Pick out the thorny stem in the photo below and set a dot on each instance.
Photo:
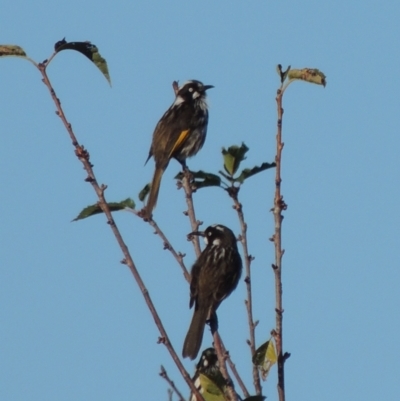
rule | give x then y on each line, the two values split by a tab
83	156
164	375
279	206
234	192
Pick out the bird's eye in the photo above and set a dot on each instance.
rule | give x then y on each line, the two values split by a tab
190	89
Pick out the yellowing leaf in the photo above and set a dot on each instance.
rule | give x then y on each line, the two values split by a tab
312	75
265	357
12	50
210	391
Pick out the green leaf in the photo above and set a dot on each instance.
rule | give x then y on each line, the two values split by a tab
87	49
144	192
202	179
248	172
210	391
228	177
114	207
265	357
309	75
233	156
12	50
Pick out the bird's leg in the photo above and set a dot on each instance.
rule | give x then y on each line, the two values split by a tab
188	175
213	322
182	162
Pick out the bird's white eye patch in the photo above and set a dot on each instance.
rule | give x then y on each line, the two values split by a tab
205	363
190	89
217	241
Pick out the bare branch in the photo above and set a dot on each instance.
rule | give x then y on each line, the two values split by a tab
221	353
84	157
232	366
234	194
194	223
163	373
279	206
167	245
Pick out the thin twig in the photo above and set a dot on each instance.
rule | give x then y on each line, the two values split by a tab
165	376
279	206
167	244
234	194
221	353
232	366
84	157
194	223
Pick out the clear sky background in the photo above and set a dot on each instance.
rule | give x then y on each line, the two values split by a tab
74	325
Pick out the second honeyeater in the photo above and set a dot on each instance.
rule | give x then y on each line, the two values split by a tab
208	378
179	134
208	366
215	274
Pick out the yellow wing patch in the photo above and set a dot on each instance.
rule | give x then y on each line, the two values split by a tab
182	137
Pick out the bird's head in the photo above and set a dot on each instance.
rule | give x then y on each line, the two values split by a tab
207	361
192	90
217	234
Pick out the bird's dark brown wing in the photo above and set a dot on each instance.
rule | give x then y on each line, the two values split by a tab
231	273
214	276
171	133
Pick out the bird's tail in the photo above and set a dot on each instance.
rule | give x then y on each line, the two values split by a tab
194	336
155	187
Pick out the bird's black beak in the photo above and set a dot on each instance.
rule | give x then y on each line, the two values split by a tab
199	233
208	87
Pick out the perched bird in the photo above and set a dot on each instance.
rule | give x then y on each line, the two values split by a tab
208	366
215	275
208	378
179	134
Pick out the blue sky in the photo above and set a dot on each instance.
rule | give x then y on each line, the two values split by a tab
74	324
